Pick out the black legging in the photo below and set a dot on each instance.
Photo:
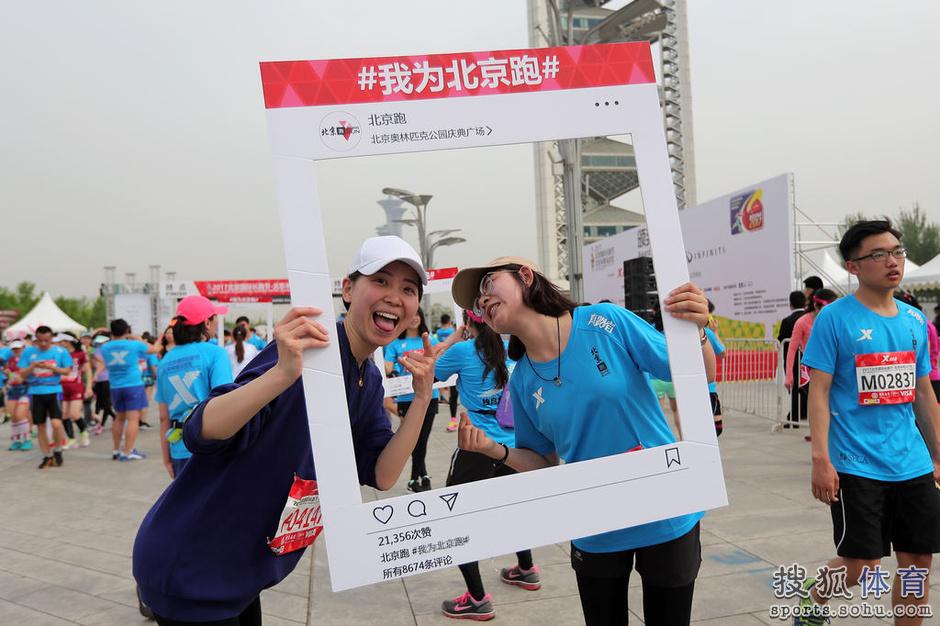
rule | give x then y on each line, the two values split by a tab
102	389
604	602
452	401
418	466
251	616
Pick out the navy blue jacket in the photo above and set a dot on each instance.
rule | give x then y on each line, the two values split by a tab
201	552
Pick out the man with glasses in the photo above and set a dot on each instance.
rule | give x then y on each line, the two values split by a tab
870	367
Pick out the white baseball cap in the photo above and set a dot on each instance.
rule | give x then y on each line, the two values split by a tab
17	343
377	252
62	337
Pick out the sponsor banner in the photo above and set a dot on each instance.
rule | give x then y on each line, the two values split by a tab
739	249
388	79
276	290
136	309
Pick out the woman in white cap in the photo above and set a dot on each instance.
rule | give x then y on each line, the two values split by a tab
579	392
251	449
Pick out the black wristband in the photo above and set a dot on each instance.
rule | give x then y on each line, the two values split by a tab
502	461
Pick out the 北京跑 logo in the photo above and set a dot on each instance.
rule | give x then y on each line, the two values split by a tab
747	212
340	131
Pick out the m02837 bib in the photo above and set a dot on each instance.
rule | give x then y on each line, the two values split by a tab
886	377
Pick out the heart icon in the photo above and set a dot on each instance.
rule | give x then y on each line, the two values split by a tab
383	513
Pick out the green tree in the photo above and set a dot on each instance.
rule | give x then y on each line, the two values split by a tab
849	220
920	237
87	312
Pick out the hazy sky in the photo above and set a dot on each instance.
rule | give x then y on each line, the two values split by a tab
134	134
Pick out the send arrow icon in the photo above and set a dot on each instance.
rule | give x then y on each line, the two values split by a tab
672	457
449	499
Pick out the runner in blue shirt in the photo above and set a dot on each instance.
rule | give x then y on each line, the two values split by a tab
579	392
202	552
869	365
483	370
186	375
253	337
122	356
408	342
42	365
449	394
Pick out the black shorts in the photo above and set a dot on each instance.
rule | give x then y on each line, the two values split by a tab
936	388
469	467
43	406
673	563
872	515
716	403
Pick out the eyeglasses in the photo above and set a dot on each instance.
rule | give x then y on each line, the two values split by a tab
486	289
882	255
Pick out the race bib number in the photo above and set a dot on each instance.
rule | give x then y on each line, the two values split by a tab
301	522
885	377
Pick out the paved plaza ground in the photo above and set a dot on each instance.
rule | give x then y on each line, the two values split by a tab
67	535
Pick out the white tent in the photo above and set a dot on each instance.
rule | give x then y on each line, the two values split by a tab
927	276
45	313
834	274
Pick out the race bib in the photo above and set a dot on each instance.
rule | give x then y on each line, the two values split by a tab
885	377
301	522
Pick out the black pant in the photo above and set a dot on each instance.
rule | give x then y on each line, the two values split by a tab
102	390
418	466
469	467
251	616
453	401
668	571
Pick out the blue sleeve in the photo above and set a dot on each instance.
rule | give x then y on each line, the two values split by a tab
713	339
162	384
450	362
251	431
923	353
527	435
371	434
65	359
390	353
24	359
645	344
220	369
822	349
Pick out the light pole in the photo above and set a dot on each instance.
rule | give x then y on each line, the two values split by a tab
428	242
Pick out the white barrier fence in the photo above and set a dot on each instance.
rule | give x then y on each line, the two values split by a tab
751	376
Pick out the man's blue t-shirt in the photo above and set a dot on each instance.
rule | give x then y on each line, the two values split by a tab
122	357
879	441
604	406
257	342
6	354
401	347
444	333
43	381
185	377
479	394
719	349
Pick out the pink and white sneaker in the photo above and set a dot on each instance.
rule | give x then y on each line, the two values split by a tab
465	607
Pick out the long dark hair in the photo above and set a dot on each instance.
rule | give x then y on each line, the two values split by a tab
184	333
490	349
542	296
239	334
422	326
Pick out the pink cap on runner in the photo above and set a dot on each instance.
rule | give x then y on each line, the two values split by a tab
197	309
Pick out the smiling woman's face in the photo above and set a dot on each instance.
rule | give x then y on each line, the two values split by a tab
383	304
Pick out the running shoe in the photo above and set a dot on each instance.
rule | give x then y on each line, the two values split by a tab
414	485
526	578
810	612
98	430
71	444
115	455
133	455
47	463
26	445
83	439
465	607
15	445
57	457
145	426
425	483
452	425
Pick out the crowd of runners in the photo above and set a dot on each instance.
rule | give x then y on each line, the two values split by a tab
542	380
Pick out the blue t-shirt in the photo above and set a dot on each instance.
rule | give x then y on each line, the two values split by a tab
257	342
41	380
604	406
478	394
6	353
719	349
444	333
122	357
201	552
185	377
881	442
400	347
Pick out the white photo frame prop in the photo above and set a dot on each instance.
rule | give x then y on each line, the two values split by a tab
321	110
